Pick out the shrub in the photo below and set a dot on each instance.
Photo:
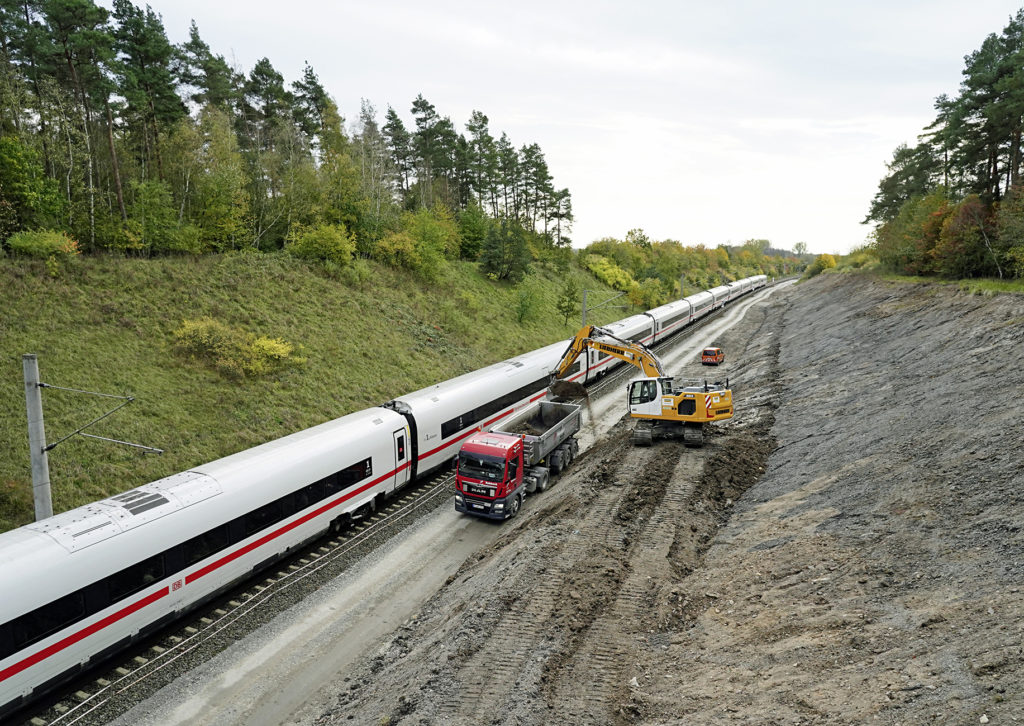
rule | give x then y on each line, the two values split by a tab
234	352
824	262
400	249
608	272
329	243
525	301
43	244
435	230
860	258
152	226
355	274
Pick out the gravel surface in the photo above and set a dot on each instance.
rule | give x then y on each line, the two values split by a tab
847	549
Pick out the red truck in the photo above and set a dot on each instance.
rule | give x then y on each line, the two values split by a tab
496	469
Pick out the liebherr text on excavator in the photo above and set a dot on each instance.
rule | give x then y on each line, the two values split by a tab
662	406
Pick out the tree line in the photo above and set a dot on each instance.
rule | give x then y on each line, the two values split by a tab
652	272
953	204
124	141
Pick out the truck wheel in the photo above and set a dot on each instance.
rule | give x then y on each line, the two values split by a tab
556	462
513	507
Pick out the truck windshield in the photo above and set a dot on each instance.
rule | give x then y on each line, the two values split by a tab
481	466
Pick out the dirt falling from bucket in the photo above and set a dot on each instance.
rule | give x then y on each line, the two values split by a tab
569	389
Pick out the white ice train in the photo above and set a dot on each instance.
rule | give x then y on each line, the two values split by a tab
78	587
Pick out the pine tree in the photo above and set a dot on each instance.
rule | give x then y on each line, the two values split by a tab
568	303
505	255
399	143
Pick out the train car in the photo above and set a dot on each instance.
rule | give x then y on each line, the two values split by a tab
441	416
81	585
759	281
671	318
739	288
701	303
636	328
720	296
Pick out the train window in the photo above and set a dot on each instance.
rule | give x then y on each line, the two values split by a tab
355	473
236	529
288	505
476	415
330	485
6	645
310	495
453	426
401	448
50	618
132	579
202	546
263	517
676	317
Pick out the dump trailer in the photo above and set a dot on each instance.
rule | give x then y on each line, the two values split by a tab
496	469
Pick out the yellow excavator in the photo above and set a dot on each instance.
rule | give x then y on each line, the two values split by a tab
662	406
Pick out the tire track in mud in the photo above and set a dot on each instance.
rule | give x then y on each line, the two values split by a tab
599	658
691	506
488	680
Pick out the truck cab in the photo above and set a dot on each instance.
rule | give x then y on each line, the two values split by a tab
489	475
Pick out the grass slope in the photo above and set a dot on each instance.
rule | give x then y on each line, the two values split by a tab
107	324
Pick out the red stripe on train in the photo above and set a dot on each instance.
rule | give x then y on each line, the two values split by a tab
81	634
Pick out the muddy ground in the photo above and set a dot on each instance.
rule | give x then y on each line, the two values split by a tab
846	550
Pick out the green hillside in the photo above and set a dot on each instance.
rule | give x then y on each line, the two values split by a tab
107	324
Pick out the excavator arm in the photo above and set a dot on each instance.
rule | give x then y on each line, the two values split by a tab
636	354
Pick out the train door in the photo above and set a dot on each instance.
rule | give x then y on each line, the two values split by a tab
401	457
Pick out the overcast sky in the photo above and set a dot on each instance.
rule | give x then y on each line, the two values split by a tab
704	122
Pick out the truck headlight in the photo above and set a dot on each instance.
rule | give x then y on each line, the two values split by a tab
458	498
498	507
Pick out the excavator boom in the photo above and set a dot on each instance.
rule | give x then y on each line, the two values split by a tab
634	353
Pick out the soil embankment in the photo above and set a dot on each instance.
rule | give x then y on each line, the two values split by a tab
848	549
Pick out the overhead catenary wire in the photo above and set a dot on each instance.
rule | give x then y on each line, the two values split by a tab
78	432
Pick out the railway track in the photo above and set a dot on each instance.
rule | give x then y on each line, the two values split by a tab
142	670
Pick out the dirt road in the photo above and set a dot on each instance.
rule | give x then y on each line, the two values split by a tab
847	550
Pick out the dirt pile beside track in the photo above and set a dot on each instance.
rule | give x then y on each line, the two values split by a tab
847	549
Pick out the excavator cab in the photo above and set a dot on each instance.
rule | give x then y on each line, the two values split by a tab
645	395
